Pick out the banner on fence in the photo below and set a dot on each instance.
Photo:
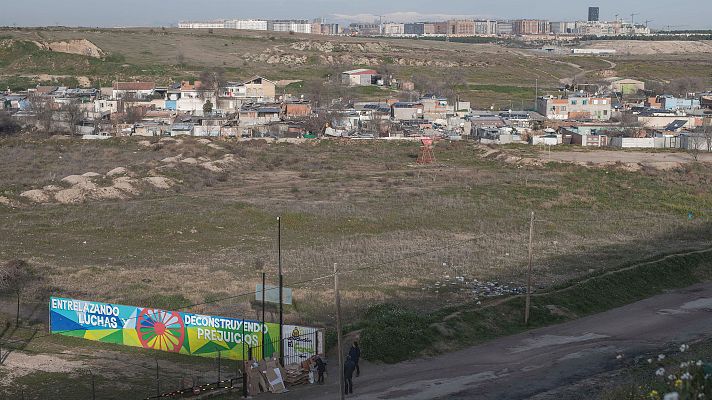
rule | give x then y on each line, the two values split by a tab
170	331
300	343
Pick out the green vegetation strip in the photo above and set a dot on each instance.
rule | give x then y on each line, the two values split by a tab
391	333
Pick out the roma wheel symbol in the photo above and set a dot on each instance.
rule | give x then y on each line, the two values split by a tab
160	330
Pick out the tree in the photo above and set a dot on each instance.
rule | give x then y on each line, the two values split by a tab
44	113
318	122
74	115
695	144
207	107
7	125
15	277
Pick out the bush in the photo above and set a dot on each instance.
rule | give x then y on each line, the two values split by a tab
7	125
392	334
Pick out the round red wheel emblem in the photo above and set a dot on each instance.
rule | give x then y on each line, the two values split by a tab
160	330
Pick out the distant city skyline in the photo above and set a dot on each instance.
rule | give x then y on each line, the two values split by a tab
684	14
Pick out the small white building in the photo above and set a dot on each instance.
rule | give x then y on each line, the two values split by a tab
360	77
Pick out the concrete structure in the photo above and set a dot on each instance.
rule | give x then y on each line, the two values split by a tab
255	89
405	111
579	107
627	86
676	103
594	14
135	90
360	77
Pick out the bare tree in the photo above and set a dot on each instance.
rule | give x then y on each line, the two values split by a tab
319	121
15	277
695	144
74	116
44	112
707	134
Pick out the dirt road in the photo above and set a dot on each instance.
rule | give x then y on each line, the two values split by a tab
540	362
632	159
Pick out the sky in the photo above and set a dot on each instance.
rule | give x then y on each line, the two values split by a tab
684	14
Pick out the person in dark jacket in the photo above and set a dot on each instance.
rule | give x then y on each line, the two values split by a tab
320	369
349	367
355	354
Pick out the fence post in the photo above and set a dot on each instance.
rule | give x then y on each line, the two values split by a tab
219	365
244	379
93	386
158	381
316	341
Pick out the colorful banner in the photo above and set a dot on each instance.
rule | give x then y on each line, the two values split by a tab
171	331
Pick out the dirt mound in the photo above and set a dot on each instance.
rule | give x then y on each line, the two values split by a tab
9	202
216	146
174	159
75	179
145	143
203	141
71	196
117	171
108	193
189	160
159	182
212	166
52	188
36	195
79	46
90	174
126	184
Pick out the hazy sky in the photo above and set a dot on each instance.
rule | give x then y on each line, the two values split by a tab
690	13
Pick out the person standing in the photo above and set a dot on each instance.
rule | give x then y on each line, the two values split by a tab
355	354
349	367
320	369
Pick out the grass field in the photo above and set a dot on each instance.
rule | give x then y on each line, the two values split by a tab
400	232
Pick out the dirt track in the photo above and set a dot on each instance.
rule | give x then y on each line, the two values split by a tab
543	361
603	157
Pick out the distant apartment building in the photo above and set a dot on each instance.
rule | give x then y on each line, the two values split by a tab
365	29
562	28
485	27
296	26
326	29
461	27
435	28
594	14
219	24
417	29
393	29
505	28
246	24
575	107
530	27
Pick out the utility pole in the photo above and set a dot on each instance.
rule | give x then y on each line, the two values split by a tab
281	281
529	272
340	370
